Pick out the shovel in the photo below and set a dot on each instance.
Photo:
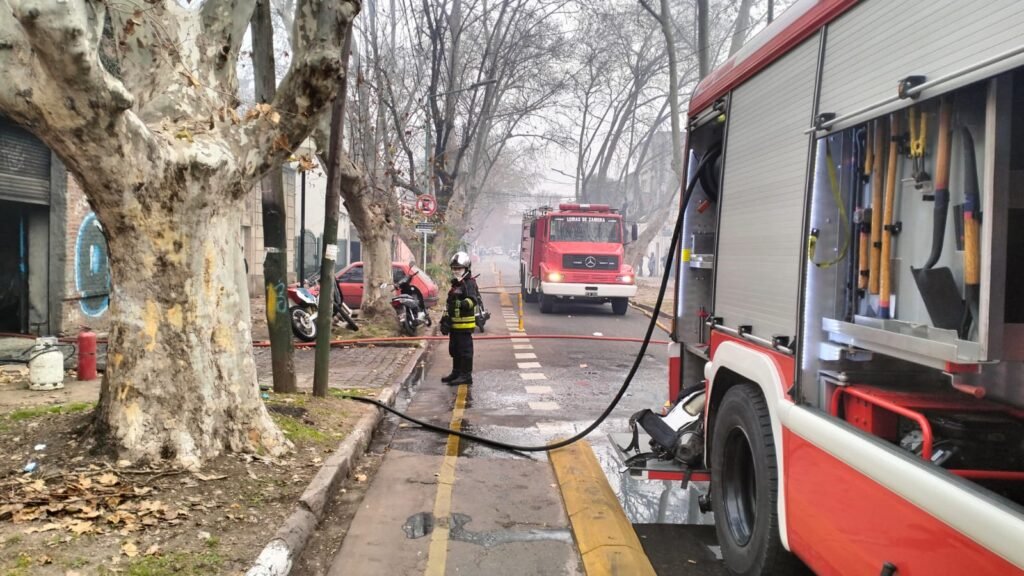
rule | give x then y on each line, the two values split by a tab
937	286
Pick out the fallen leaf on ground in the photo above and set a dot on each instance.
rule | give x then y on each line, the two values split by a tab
130	549
203	535
107	479
44	560
43	528
360	477
82	527
210	478
153	550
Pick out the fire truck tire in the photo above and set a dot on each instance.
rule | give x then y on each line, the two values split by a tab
620	305
547	304
744	486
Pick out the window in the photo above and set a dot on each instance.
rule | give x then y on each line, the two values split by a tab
585	229
397	273
354	275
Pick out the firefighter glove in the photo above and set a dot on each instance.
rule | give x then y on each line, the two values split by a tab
446	325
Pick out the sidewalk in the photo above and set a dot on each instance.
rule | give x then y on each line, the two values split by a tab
647	294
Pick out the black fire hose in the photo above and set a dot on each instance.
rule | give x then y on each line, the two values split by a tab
676	233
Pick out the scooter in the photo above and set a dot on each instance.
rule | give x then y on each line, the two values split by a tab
408	304
304	307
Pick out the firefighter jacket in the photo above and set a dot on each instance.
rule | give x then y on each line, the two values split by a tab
461	305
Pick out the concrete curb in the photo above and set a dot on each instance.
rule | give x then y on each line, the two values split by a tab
279	556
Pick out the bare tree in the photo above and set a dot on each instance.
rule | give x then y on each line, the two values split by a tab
138	99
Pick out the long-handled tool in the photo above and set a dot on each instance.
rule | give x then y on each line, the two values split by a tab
937	286
864	225
874	264
972	239
885	274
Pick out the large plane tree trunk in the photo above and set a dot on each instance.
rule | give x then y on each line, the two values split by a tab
180	381
166	163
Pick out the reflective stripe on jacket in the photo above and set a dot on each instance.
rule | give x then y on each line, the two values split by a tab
460	320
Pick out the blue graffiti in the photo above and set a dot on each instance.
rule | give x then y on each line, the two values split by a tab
282	297
92	267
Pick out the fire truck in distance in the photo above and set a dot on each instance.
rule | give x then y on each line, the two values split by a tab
575	253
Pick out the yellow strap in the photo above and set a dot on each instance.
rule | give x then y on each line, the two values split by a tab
812	240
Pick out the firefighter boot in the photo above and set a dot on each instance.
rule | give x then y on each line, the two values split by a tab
455	371
465	373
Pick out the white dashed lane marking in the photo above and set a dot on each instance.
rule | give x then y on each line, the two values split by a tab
532	376
538	389
522	346
525	356
548	406
529	365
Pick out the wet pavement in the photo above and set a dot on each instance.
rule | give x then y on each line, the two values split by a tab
442	507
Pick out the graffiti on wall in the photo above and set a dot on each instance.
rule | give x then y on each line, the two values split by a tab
92	268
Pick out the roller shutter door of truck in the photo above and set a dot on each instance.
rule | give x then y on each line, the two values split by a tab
24	166
877	43
758	276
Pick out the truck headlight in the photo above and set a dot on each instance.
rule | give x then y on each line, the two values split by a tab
627	279
554	276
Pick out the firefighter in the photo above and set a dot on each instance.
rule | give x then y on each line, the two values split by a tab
459	320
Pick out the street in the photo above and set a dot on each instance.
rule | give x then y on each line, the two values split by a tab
441	506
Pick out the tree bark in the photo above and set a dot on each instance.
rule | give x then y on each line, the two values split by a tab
275	227
180	381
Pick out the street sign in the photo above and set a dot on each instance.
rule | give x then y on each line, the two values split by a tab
426	204
424	228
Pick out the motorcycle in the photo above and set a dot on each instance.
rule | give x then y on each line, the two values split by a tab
408	304
304	307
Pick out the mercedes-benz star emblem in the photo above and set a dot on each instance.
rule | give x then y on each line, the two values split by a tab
590	262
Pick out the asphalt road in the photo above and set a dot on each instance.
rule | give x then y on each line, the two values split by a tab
438	508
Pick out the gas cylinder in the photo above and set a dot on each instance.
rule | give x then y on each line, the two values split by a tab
87	355
46	368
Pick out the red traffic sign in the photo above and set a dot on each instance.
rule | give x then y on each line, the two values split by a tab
426	204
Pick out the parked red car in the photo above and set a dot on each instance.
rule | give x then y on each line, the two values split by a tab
351	279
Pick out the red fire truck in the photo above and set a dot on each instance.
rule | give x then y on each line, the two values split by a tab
851	290
575	253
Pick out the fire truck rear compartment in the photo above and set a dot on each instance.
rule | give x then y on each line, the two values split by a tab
952	393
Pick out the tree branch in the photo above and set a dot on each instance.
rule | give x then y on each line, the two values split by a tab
309	87
224	24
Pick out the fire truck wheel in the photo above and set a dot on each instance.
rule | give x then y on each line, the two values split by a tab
620	305
744	486
547	304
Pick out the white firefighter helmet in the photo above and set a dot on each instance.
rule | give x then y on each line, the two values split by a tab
460	260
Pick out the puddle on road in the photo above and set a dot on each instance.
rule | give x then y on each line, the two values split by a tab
421	524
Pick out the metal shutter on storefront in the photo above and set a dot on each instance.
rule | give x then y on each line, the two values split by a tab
24	166
758	277
876	44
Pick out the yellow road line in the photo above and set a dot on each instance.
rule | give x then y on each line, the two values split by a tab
604	536
437	556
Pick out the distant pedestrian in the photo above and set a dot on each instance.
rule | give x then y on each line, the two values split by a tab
652	261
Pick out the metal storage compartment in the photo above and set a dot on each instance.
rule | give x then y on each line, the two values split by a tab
757	280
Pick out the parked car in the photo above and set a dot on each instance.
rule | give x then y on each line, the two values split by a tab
351	280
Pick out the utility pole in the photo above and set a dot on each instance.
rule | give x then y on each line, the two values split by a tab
329	252
275	231
302	230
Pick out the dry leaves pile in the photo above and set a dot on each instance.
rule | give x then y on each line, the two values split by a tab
91	501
